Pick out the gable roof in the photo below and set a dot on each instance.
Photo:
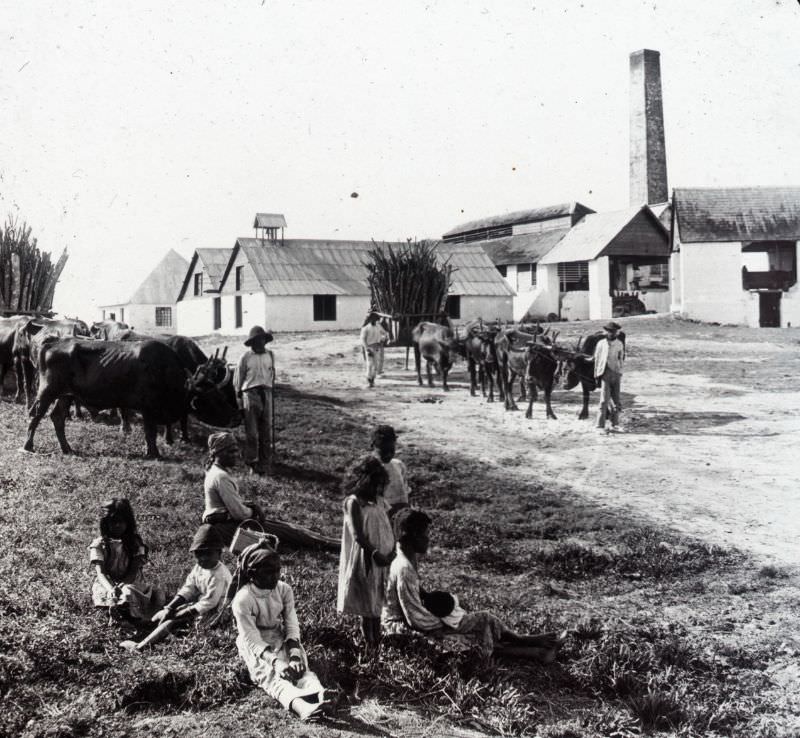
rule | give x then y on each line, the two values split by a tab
631	232
214	263
534	215
526	248
269	220
164	283
313	267
737	213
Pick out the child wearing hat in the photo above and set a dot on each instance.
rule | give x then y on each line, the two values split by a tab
253	381
373	338
201	594
609	357
269	634
396	491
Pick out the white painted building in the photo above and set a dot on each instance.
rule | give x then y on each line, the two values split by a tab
152	307
735	253
315	284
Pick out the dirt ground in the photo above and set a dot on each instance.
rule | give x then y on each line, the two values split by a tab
710	425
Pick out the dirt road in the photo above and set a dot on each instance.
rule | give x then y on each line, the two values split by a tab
711	444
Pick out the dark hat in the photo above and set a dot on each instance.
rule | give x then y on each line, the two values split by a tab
255	332
383	433
208	537
612	326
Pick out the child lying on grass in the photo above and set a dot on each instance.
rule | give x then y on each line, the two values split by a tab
405	608
201	594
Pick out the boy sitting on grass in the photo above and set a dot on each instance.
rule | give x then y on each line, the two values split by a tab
201	594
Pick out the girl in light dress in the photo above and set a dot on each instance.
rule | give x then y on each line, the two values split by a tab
118	556
367	549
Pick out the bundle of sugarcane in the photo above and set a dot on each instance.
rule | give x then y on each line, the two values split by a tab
408	280
27	275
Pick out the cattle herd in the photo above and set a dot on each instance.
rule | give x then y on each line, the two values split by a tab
110	367
497	355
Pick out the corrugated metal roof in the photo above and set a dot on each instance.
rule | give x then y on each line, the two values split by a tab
586	240
737	213
309	267
527	248
521	216
215	262
164	283
269	220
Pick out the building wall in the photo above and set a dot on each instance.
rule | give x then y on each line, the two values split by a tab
575	305
486	307
296	313
658	300
711	283
142	318
600	303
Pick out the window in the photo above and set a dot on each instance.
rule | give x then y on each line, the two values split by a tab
453	306
122	314
163	317
324	307
573	276
533	275
198	284
503	269
239	277
237	304
524	278
217	313
112	316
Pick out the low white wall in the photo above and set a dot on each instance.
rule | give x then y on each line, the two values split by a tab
488	308
575	305
195	316
253	313
658	300
600	304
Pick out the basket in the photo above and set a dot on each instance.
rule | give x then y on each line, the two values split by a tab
244	537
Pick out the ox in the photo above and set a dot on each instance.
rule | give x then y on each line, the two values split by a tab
28	339
191	357
145	376
511	346
8	329
578	368
435	343
107	330
478	348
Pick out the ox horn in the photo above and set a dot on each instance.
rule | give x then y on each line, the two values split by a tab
578	345
216	353
224	351
225	379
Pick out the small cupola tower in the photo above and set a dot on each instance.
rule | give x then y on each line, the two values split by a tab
267	224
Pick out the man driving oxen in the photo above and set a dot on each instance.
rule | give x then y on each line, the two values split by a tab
609	356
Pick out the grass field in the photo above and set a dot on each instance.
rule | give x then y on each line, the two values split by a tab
671	634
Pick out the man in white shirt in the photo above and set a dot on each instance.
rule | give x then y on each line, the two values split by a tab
609	356
373	338
254	381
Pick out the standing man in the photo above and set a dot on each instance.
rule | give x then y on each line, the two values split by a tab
373	337
254	381
609	356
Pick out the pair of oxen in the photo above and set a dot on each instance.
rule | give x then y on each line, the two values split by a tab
498	355
109	366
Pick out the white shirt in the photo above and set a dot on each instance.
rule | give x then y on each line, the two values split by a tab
205	588
371	334
265	618
608	355
254	370
396	489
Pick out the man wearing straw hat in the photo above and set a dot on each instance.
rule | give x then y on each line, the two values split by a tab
373	339
609	356
254	381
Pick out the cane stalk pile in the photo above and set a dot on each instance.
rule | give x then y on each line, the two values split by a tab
410	280
27	275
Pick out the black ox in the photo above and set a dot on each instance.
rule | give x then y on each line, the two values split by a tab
145	376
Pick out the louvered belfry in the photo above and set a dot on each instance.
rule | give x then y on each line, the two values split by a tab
27	275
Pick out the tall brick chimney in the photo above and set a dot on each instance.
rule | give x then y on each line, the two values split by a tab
648	162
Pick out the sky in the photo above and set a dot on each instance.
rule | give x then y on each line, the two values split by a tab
127	129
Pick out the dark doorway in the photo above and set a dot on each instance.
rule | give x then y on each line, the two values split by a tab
769	309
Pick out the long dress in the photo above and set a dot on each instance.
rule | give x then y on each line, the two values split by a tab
362	584
266	619
138	594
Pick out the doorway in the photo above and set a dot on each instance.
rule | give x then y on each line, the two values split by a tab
769	309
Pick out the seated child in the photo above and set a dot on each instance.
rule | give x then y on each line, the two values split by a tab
395	494
269	635
200	596
406	608
118	556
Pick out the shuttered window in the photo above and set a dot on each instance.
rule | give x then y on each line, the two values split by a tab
573	276
198	284
237	304
217	313
453	306
239	277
